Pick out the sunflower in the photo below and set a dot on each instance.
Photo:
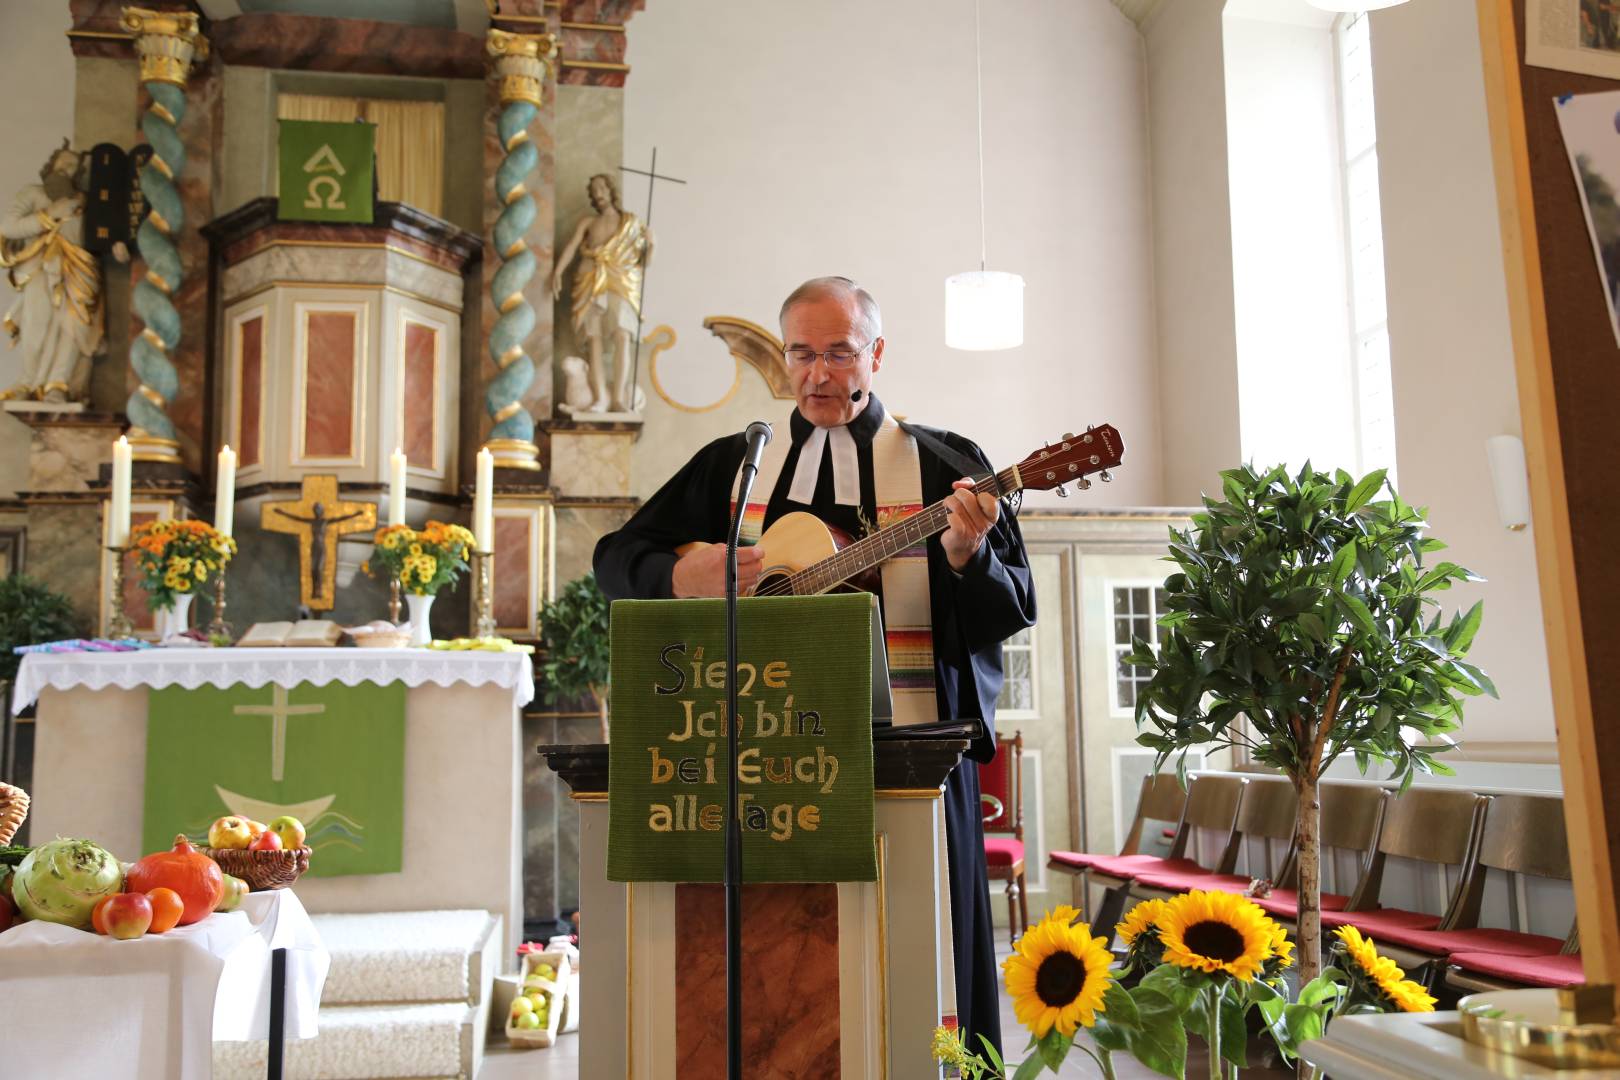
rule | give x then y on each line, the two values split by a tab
1058	974
1382	973
1216	932
1282	953
1140	920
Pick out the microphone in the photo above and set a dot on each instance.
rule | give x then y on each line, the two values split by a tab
758	434
857	395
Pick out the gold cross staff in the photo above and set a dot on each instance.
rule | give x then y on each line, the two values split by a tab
278	710
318	518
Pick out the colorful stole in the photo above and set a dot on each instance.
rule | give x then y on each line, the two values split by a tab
907	614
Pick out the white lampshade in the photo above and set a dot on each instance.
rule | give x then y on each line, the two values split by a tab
1511	479
984	310
1353	5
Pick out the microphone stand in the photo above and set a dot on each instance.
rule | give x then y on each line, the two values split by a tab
734	866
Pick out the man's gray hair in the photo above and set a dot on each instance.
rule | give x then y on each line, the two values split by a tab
843	288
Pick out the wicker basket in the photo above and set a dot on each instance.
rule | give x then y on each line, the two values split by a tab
13	810
262	870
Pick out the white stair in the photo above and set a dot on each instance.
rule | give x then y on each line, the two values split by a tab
408	996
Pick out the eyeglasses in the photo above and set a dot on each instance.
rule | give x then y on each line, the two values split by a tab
836	358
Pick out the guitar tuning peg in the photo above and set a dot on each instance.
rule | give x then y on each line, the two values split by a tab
1067	435
1061	493
1083	484
1090	428
1106	477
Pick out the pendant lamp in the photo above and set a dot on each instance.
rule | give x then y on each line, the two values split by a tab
984	309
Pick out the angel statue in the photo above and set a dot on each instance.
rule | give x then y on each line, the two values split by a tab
614	247
57	320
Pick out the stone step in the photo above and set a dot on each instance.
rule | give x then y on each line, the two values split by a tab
404	957
372	1042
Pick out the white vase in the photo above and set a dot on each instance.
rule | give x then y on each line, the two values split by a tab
420	606
176	619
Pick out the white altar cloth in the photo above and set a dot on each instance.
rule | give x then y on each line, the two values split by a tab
79	1004
191	668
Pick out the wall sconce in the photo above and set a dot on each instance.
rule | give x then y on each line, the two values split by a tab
1511	478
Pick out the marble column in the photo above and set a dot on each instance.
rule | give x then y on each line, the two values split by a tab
166	42
522	61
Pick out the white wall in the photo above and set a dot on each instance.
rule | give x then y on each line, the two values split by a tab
38	73
838	138
1451	356
1192	247
1295	396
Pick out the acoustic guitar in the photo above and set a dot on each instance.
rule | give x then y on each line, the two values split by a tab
806	557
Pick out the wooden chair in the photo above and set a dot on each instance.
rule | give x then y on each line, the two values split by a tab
1349	821
1001	795
1471	972
1267	814
1161	799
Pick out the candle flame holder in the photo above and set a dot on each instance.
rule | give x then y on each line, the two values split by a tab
217	626
118	624
393	599
483	592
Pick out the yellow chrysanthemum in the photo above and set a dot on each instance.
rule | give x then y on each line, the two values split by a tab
1403	993
416	549
391	541
1140	919
1215	932
1057	975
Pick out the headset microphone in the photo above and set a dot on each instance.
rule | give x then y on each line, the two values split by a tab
857	395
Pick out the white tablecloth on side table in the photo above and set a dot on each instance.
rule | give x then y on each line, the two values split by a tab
79	1004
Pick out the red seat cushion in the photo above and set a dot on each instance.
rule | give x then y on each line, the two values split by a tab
1232	883
1446	942
1072	860
1003	851
1285	902
1127	867
1380	921
1554	970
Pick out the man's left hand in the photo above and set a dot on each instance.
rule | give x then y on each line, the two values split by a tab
969	518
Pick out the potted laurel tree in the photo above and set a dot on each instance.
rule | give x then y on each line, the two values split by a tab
31	612
574	632
1303	625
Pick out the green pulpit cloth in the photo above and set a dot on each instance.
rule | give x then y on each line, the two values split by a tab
805	759
325	171
332	756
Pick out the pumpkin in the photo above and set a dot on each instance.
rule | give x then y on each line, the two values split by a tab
187	871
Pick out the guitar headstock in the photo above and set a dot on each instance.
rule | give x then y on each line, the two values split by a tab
1074	457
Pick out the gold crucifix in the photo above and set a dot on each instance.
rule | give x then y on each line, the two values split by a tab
317	518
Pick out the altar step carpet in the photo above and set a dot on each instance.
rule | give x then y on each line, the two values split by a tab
407	997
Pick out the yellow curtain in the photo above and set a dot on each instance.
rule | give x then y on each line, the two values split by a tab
410	142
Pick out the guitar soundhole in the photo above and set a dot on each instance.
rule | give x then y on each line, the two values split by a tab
774	585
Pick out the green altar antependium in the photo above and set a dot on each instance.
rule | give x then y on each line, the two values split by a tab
805	763
332	756
324	171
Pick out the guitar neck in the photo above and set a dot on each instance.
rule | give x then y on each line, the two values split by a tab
877	548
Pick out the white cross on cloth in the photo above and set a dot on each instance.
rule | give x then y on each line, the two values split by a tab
278	710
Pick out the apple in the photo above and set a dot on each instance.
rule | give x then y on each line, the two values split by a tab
230	897
544	970
266	841
230	832
528	1021
255	828
128	915
521	1005
98	915
291	831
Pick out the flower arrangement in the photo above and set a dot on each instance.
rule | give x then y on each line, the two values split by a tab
175	558
424	561
1373	982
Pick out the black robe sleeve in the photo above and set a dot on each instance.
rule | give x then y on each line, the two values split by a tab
638	561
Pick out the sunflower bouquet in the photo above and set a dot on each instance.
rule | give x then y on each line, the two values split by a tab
175	558
425	560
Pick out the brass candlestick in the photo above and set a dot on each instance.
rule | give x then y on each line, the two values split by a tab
393	599
217	626
484	594
118	624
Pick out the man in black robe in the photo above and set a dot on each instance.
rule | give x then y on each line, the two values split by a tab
979	582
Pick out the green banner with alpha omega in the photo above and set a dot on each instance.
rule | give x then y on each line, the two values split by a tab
331	756
325	171
804	768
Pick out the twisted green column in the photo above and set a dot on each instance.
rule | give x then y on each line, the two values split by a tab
166	42
520	60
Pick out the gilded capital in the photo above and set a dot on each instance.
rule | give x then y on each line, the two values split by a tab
521	60
166	42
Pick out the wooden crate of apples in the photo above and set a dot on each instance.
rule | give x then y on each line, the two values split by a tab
536	1014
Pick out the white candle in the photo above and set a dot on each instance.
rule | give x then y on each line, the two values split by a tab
483	502
396	487
118	513
225	491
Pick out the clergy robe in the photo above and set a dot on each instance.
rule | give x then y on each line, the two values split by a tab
973	613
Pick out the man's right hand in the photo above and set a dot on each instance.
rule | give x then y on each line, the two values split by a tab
702	571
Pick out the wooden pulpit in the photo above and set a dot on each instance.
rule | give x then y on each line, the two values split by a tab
840	980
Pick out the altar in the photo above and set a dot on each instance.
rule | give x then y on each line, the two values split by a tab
462	785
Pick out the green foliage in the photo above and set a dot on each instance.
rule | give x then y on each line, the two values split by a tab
574	631
31	612
1303	603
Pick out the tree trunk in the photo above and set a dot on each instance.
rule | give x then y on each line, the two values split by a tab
601	709
1310	879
